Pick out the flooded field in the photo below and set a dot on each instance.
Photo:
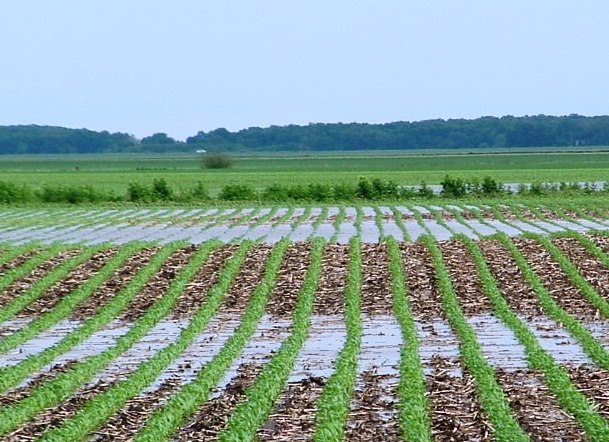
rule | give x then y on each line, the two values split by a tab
358	324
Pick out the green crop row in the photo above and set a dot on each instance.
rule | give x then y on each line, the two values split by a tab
100	408
47	281
415	424
11	376
10	253
333	405
397	216
65	306
165	421
65	384
492	398
340	218
556	376
261	397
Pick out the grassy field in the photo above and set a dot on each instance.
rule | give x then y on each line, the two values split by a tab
114	172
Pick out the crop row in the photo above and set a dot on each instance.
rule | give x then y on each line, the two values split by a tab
416	416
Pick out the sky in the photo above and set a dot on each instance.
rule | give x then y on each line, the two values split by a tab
179	67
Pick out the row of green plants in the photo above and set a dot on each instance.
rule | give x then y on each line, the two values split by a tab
492	398
556	377
334	403
413	406
101	407
13	375
166	420
66	305
262	396
55	275
365	189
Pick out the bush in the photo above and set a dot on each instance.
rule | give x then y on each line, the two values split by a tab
364	189
216	161
237	192
138	192
11	193
453	187
199	192
161	190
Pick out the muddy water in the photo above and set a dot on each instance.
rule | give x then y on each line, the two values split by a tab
380	347
498	343
436	337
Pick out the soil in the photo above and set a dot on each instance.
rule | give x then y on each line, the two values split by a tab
376	291
117	282
555	280
329	299
464	277
195	293
211	418
592	382
536	409
20	286
290	279
373	417
456	414
155	287
423	295
71	282
16	262
294	416
250	274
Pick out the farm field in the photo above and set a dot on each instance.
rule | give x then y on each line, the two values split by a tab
417	322
114	172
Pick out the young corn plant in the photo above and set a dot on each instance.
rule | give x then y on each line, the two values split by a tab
414	421
557	378
101	407
397	217
261	397
492	398
65	306
165	421
13	375
333	405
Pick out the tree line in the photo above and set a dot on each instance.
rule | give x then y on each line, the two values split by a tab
528	131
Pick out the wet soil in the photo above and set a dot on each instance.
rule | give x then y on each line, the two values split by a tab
124	425
19	260
376	292
593	383
155	288
71	282
423	295
117	282
587	265
290	279
601	241
555	280
294	416
510	280
211	418
249	276
329	299
456	413
195	293
464	277
25	283
373	416
536	409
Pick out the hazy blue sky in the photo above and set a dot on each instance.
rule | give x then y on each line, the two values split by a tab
144	66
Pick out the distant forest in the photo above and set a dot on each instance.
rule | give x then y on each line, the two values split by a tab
528	131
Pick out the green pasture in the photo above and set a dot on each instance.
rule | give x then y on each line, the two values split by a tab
114	172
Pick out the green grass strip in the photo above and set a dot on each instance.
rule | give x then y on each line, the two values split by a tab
556	376
359	218
306	213
165	421
340	218
13	375
492	399
590	345
27	267
399	220
101	407
65	384
9	252
261	397
42	285
319	221
414	420
333	405
65	306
